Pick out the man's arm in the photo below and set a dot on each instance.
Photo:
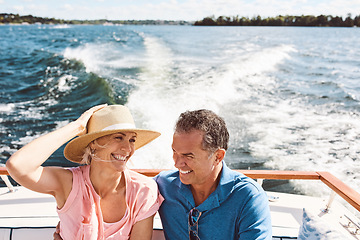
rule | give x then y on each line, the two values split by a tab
255	223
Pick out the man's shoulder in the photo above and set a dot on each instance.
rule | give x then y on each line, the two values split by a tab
242	191
241	182
168	176
167	179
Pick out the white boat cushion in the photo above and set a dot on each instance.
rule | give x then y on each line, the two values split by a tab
315	228
32	233
5	234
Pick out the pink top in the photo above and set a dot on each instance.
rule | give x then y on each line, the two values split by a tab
81	216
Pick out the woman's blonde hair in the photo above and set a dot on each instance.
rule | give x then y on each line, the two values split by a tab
89	153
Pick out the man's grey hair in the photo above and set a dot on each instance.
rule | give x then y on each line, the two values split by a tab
213	126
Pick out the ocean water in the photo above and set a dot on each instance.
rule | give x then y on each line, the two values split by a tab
290	96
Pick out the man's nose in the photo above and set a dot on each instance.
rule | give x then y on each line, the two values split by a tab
178	160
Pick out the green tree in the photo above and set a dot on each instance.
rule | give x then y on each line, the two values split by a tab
336	21
348	21
357	21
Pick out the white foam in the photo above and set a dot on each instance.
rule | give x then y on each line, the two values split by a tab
170	85
6	108
102	58
86	54
27	109
65	82
293	136
146	104
289	134
61	26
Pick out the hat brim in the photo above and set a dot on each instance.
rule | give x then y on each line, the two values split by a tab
75	149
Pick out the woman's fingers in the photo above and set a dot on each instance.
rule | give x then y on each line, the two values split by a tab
84	118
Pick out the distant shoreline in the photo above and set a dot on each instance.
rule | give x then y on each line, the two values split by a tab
299	21
9	18
286	21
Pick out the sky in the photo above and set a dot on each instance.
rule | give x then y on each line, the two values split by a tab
188	10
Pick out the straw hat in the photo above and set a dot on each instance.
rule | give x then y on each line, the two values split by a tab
108	120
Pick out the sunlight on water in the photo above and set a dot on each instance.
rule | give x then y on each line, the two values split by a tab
287	134
290	100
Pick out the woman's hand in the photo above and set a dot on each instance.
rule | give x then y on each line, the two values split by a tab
84	118
56	234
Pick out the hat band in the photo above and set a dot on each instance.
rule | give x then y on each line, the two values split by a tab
119	126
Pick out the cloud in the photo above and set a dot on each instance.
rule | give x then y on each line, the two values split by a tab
19	8
68	7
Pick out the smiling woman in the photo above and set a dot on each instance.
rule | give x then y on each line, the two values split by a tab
107	139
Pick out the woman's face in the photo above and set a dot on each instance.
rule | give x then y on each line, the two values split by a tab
115	148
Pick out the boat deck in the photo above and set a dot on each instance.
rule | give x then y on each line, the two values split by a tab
24	213
287	215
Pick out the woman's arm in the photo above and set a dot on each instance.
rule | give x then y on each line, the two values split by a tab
25	164
143	229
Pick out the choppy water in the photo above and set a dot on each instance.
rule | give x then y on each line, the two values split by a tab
290	96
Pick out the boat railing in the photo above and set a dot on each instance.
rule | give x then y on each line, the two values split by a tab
4	176
336	185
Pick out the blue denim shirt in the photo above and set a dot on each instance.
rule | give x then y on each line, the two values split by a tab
237	209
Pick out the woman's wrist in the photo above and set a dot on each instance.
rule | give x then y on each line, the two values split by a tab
76	128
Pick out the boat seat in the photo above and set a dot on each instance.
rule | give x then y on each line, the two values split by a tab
26	233
5	233
47	233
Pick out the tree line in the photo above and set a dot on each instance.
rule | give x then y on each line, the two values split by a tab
9	18
303	20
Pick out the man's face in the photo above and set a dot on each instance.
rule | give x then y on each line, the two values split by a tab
195	165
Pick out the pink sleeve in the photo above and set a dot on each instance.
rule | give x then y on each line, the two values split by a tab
148	201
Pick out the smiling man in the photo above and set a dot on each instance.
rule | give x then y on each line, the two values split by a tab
204	199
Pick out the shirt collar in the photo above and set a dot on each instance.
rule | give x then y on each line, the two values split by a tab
221	193
226	184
